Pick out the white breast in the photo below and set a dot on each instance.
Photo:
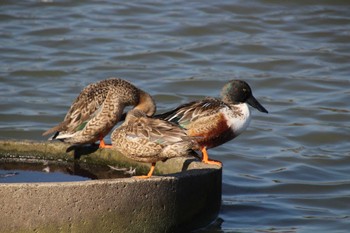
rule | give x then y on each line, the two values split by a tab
238	119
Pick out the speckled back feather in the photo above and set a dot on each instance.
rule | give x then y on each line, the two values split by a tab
97	109
147	139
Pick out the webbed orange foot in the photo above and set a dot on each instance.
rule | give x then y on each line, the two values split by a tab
104	145
149	173
205	158
142	177
213	162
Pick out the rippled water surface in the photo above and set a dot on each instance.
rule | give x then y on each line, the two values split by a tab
289	172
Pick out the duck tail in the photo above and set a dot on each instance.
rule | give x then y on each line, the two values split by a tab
51	131
53	137
55	130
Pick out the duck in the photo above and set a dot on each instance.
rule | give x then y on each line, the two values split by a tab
149	140
215	121
97	109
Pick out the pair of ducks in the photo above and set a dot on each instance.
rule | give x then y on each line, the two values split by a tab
197	125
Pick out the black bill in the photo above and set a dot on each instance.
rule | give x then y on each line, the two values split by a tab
255	104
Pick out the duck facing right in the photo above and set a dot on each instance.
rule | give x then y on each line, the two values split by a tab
212	121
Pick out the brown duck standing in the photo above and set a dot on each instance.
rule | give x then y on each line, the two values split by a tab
97	109
150	140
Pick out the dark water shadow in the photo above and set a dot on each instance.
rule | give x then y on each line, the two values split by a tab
80	150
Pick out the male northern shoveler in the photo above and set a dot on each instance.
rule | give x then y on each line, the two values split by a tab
215	121
150	140
97	109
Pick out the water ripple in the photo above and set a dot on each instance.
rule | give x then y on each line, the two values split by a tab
287	173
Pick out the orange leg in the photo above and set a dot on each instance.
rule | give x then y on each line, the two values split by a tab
205	158
149	173
103	144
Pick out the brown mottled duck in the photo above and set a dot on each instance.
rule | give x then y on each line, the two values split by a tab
150	140
97	109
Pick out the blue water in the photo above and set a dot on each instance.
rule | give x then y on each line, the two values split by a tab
289	172
20	176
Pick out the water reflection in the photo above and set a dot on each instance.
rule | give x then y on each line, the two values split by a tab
27	172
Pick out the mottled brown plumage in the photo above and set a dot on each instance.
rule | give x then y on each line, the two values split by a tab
150	140
98	108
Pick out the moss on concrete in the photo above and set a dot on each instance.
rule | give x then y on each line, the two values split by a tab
188	198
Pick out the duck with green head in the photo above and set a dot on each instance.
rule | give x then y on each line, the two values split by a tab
215	121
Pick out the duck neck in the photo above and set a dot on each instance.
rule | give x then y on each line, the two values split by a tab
146	104
226	98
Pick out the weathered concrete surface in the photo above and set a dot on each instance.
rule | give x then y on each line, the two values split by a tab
188	197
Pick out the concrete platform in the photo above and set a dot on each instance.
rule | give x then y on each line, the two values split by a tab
184	195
